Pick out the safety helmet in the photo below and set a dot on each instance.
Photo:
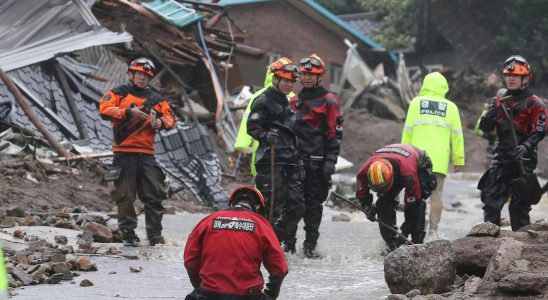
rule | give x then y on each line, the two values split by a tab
144	65
516	65
381	175
312	64
285	68
246	192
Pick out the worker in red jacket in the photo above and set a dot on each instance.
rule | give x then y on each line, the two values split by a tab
388	171
224	252
318	127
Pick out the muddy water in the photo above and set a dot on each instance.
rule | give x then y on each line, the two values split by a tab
351	267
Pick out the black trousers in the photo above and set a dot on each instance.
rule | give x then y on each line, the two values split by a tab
414	214
201	294
316	187
496	187
288	193
140	175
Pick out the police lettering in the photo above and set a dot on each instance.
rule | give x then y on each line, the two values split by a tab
429	107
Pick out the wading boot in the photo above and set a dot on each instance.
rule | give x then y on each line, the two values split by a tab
310	252
289	248
153	241
130	239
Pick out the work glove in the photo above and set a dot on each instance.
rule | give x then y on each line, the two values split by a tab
368	208
370	212
265	297
272	137
328	168
520	151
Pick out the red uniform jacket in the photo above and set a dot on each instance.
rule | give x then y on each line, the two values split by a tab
226	250
132	135
406	158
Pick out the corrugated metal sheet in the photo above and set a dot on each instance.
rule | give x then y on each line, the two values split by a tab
34	31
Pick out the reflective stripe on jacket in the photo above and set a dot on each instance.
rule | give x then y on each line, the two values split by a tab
133	135
433	124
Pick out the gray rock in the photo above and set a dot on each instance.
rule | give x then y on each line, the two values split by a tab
396	297
55	278
341	218
471	285
428	267
509	250
61	239
16	211
20	274
86	283
485	229
474	253
413	293
36	245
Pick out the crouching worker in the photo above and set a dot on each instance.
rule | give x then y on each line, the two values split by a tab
388	171
224	252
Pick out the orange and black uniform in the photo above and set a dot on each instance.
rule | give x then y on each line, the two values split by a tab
412	171
133	148
318	127
529	118
224	253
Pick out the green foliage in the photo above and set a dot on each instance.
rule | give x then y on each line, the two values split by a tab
399	19
524	32
341	7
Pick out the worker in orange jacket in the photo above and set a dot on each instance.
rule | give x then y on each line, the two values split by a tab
137	113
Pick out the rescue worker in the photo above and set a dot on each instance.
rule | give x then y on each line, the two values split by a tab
433	125
529	118
271	122
3	278
319	131
225	250
137	113
389	170
243	140
491	137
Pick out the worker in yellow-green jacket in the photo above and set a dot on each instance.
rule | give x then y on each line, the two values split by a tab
3	278
433	125
243	140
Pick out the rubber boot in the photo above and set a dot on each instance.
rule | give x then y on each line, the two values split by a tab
130	239
310	252
289	247
153	241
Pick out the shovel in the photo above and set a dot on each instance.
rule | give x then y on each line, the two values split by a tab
526	183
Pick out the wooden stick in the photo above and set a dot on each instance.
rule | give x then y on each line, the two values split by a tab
23	102
84	156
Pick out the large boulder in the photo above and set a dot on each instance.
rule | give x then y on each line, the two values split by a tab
472	254
427	267
519	269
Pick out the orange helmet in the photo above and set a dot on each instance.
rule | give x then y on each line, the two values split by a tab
312	64
381	175
246	192
144	65
516	65
285	68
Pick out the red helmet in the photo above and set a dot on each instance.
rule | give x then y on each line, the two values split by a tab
285	68
144	65
516	65
312	64
381	175
246	192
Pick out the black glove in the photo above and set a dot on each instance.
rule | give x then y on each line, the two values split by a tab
328	168
273	286
368	208
265	297
520	151
370	212
272	137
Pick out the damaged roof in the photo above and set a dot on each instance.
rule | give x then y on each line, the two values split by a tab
34	31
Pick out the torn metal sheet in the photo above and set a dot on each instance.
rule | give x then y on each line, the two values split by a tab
34	31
